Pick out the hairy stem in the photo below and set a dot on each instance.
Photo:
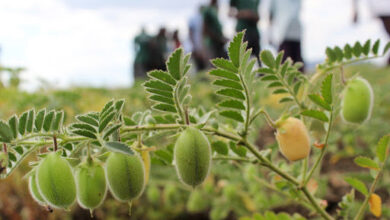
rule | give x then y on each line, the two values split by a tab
248	105
323	150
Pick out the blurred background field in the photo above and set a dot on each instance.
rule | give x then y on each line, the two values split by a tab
233	190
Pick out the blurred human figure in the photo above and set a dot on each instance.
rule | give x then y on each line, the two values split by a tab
175	38
158	49
195	27
212	27
246	13
380	9
141	51
286	28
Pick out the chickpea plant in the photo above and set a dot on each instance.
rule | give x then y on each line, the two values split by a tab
104	151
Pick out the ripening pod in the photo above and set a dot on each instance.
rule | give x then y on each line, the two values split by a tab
34	191
125	176
91	184
358	101
293	139
55	181
193	156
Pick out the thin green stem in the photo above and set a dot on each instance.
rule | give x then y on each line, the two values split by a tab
315	205
267	117
248	105
304	170
177	103
363	207
323	150
243	159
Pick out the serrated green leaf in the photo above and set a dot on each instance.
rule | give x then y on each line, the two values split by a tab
382	148
225	74
357	49
296	87
286	99
58	120
220	147
128	121
275	84
183	92
6	134
231	93
224	64
47	123
366	162
317	99
104	122
13	124
280	91
87	119
347	51
83	126
162	99
316	114
232	104
357	184
95	115
155	84
173	64
228	84
11	156
119	105
109	105
234	49
23	123
30	121
366	47
84	133
326	89
111	130
118	147
267	58
278	59
339	54
165	108
269	78
159	92
284	69
39	119
375	48
387	48
163	76
19	150
331	55
232	115
265	70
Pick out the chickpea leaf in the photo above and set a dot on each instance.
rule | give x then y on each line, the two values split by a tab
366	162
315	114
357	184
382	148
118	147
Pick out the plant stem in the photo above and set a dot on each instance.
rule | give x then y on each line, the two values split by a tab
268	118
363	207
248	105
315	205
244	159
323	150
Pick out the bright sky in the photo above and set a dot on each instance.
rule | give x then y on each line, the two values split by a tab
73	42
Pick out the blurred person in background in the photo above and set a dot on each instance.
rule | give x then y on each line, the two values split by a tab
286	28
381	10
246	13
176	40
158	48
195	27
142	55
212	29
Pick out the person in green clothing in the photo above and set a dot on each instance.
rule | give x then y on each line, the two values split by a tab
141	46
212	30
246	13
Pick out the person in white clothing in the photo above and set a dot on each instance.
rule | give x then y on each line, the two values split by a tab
380	9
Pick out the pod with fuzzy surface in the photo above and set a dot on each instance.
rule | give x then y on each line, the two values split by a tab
293	139
192	156
125	176
358	101
55	181
91	184
34	191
